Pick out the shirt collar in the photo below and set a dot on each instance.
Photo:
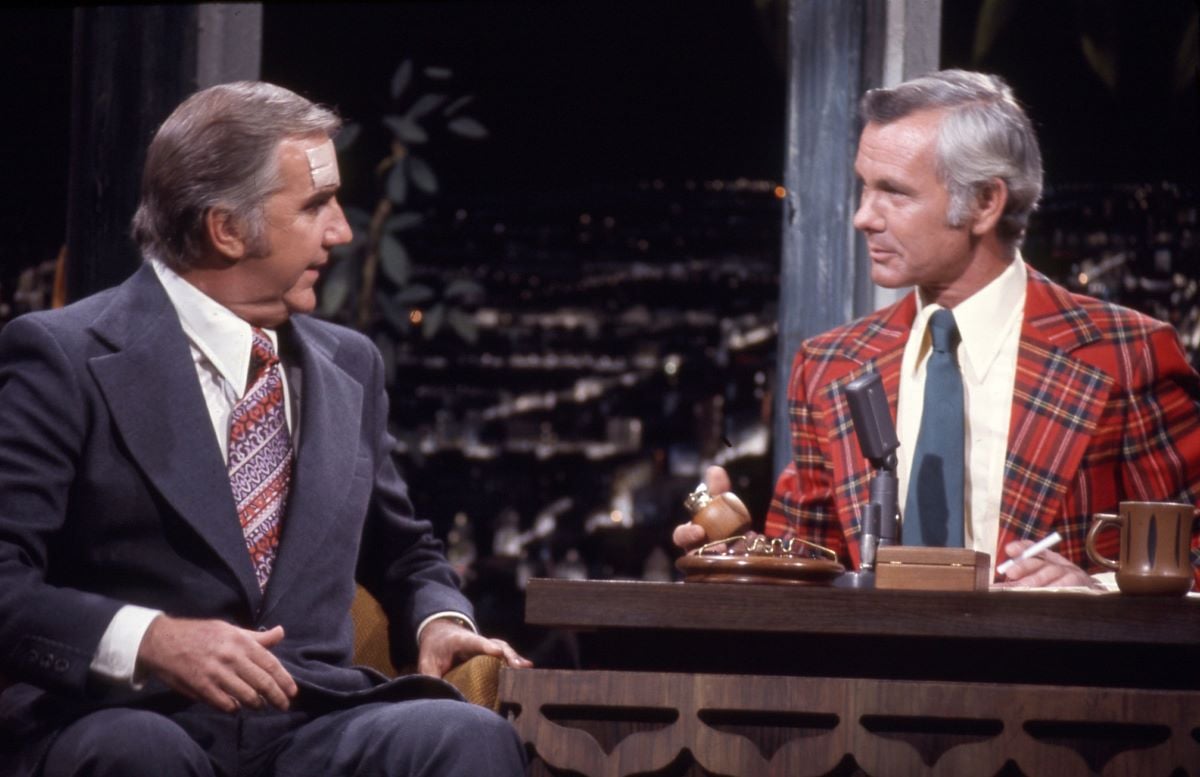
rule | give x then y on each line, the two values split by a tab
985	318
214	329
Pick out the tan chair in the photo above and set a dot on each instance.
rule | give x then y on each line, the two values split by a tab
478	678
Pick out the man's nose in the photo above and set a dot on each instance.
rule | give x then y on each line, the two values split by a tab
338	231
867	218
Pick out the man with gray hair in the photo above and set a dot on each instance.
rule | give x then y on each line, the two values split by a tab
1022	409
194	473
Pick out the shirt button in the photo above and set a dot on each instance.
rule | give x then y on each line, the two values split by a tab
62	665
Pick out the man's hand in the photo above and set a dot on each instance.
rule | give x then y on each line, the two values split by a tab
445	643
1046	569
691	535
217	663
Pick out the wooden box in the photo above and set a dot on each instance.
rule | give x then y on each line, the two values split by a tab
932	569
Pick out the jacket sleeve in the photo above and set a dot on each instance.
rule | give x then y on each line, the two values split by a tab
48	633
803	502
1160	452
401	562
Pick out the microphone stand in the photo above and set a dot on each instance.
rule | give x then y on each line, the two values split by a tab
879	524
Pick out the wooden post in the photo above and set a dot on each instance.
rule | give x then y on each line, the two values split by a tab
823	279
132	66
837	50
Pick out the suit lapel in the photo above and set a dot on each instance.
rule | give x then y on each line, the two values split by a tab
1057	403
330	419
875	344
150	385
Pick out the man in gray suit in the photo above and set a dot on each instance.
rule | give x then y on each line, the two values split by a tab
193	475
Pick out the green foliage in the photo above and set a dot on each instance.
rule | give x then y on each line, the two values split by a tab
371	283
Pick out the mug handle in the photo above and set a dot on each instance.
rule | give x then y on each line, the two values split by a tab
1098	522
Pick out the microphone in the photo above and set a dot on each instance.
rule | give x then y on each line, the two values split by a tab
876	435
872	420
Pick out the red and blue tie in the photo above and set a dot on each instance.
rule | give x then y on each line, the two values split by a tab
260	457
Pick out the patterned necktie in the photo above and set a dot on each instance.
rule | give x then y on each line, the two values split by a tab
933	512
260	457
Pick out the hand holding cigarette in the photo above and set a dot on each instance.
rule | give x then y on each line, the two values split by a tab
1045	543
1037	565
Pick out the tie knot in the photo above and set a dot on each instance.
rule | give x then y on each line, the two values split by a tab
943	331
262	355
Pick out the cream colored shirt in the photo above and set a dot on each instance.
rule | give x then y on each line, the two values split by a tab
989	324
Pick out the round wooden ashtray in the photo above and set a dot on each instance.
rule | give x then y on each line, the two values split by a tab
758	569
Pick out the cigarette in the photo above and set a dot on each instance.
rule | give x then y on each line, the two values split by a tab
1045	543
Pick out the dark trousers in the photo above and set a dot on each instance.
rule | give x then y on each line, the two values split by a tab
419	738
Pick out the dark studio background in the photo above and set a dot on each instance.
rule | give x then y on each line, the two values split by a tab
619	229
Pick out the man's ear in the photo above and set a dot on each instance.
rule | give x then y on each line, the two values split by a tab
990	201
224	232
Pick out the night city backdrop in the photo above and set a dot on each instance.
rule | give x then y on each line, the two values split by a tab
578	293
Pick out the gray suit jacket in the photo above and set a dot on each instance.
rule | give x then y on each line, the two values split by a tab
113	491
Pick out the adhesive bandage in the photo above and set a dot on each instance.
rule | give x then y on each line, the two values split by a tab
322	163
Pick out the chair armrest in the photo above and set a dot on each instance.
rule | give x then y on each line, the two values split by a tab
371	634
478	678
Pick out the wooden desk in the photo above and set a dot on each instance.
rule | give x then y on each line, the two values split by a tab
695	679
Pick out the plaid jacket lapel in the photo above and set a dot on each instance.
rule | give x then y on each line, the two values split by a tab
1058	401
874	343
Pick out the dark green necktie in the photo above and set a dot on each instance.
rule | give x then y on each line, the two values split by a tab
933	512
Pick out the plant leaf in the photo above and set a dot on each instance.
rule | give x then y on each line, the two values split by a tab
1102	59
398	222
422	175
433	320
458	105
416	294
336	288
387	349
439	73
464	325
393	259
395	315
468	128
427	103
347	135
994	17
464	289
401	78
359	219
397	182
406	129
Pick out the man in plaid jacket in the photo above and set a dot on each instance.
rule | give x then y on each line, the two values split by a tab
1071	404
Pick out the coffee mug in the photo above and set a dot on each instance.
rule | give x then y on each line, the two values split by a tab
1156	542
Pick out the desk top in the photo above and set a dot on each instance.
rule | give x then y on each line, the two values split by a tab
1108	619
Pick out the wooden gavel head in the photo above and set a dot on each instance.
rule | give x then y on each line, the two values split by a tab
721	516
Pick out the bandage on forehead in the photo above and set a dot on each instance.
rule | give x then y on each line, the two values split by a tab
322	163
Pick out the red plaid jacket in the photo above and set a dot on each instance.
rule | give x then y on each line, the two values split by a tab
1105	408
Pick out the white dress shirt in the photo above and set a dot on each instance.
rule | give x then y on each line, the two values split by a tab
989	324
220	344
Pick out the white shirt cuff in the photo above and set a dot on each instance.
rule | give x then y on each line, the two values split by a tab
116	656
452	615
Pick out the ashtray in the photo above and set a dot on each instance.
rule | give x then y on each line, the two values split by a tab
770	561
